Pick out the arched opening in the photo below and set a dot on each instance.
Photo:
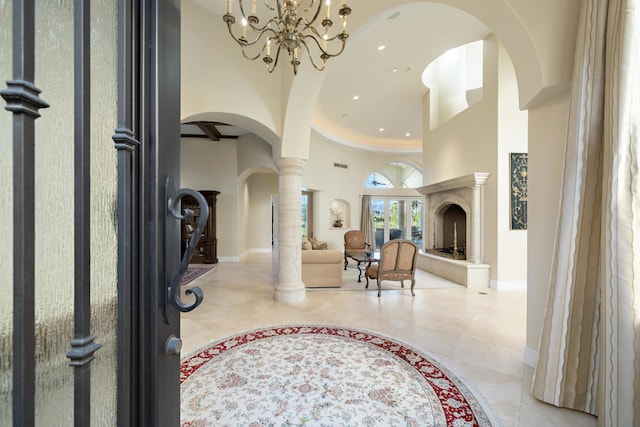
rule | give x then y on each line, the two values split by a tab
395	175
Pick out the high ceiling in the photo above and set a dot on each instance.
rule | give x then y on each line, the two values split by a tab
413	36
387	82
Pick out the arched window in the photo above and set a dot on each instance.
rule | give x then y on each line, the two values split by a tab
395	175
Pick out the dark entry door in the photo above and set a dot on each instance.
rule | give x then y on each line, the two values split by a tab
148	140
89	248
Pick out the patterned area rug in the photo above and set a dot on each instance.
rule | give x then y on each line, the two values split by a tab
193	273
322	376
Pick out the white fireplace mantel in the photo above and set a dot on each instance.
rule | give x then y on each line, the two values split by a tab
467	192
471	180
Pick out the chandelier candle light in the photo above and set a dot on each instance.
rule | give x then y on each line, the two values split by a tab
294	29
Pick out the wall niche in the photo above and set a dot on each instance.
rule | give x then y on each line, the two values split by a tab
340	214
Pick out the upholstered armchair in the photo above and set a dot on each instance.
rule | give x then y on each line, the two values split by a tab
354	244
397	262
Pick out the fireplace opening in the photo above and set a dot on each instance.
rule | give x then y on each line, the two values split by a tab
450	237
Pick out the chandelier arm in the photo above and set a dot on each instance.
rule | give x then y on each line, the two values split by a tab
308	26
275	62
244	15
237	40
247	56
268	5
303	43
326	52
338	36
259	37
342	45
244	42
308	8
315	15
233	36
314	30
257	29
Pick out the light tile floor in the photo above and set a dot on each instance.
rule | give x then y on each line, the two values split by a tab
479	335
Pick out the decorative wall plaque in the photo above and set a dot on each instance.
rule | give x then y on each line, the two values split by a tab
518	171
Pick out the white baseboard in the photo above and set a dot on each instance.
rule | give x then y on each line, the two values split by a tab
530	357
260	251
255	251
508	285
228	259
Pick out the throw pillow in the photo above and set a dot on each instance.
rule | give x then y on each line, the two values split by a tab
306	244
317	244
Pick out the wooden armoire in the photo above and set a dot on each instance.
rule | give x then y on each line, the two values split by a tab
207	247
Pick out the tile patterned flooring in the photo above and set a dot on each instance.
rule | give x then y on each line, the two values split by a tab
478	334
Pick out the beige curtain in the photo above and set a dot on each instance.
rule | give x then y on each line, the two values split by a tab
590	343
366	222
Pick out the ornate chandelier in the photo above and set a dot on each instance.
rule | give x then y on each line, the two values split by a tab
293	29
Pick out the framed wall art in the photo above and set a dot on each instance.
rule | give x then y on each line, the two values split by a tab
518	164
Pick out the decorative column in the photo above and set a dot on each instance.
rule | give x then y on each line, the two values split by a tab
289	286
475	254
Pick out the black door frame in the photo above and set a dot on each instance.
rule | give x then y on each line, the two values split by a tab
147	139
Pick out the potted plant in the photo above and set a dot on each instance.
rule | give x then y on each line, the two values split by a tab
337	217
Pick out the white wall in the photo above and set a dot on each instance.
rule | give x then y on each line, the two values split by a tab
215	77
468	143
208	165
260	188
254	152
511	269
255	156
344	184
547	126
480	139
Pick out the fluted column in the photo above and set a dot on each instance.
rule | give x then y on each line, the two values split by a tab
289	286
475	255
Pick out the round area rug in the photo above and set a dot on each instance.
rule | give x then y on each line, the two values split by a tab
321	376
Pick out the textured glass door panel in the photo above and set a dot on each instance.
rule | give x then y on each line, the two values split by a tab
104	243
6	224
54	214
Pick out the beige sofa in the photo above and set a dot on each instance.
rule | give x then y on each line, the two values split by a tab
321	267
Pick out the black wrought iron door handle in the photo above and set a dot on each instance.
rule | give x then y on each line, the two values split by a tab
175	211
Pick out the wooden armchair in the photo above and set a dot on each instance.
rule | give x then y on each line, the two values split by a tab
397	262
354	244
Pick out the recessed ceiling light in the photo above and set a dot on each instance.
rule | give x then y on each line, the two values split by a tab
395	70
407	134
381	129
381	47
410	68
344	115
356	97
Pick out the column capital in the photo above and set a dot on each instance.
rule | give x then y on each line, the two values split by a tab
290	166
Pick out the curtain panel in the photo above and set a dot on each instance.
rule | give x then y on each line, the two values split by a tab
590	342
366	222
